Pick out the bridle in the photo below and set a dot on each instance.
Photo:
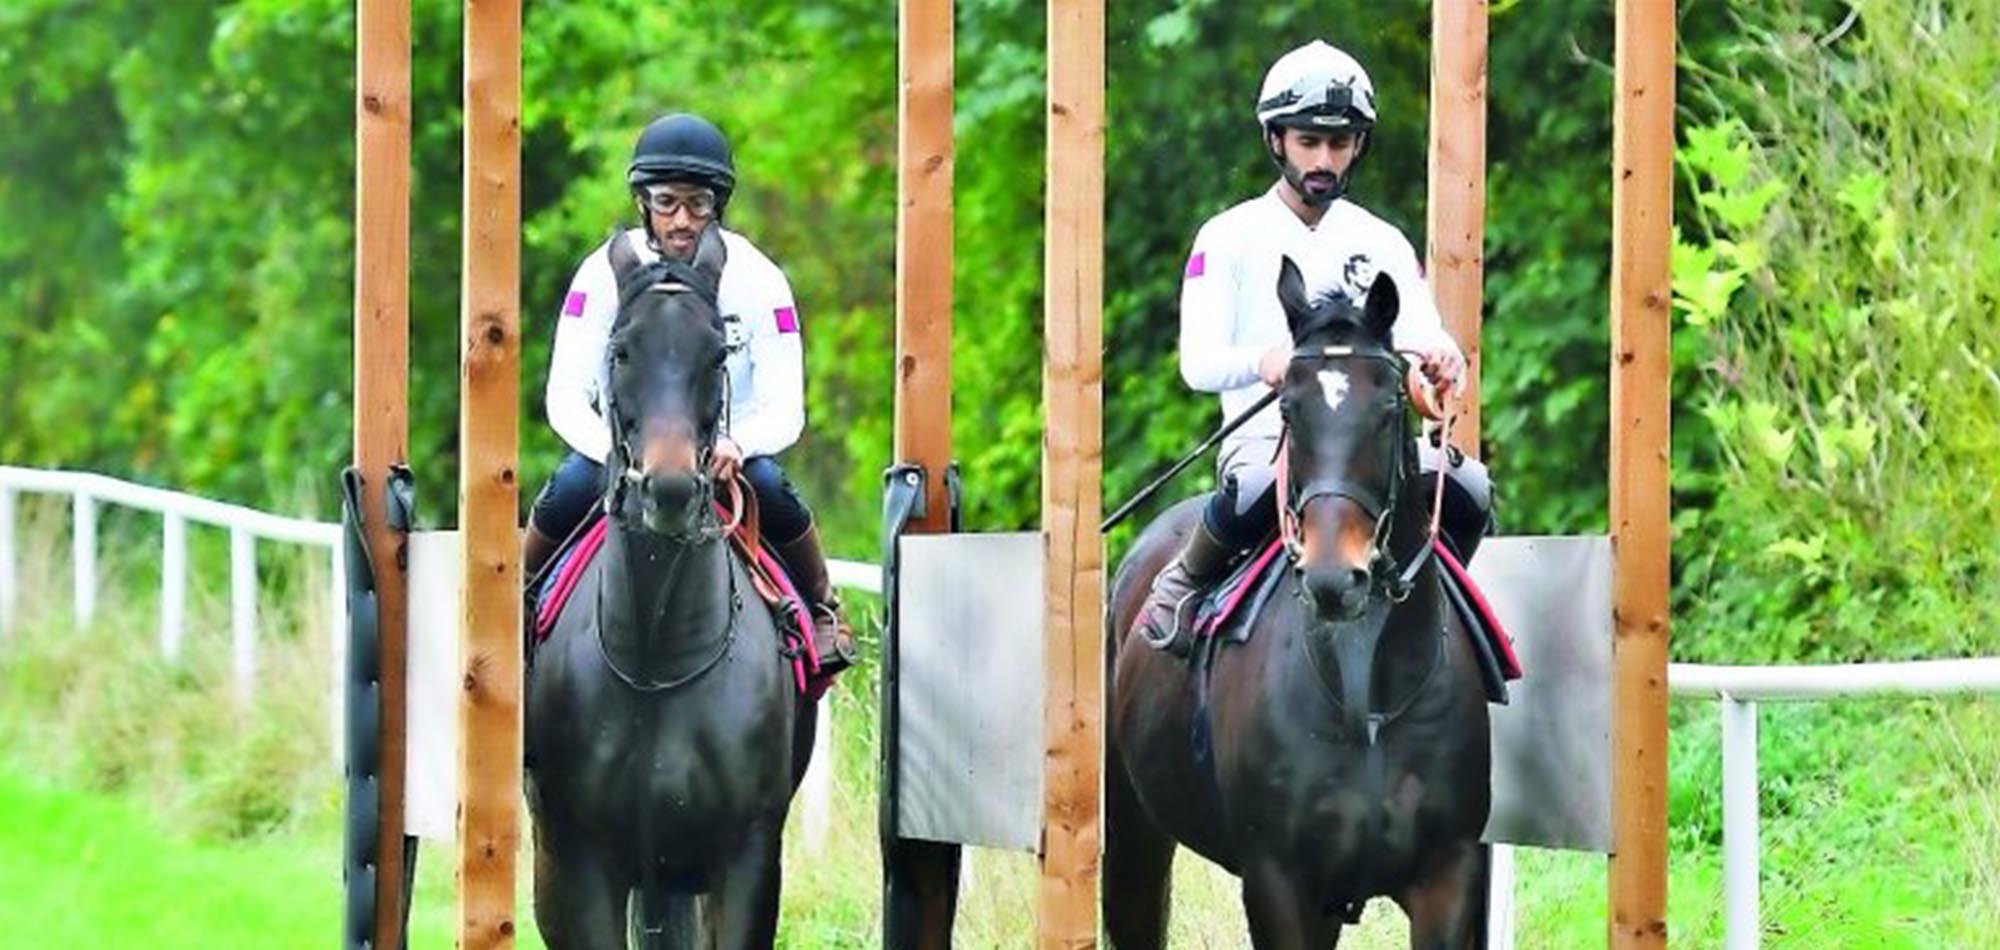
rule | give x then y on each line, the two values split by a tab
1387	574
673	277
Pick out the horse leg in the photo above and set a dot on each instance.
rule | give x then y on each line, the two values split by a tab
1447	906
663	920
1138	868
579	903
745	899
1282	915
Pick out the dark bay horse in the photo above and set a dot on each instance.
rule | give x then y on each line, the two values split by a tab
1342	753
664	732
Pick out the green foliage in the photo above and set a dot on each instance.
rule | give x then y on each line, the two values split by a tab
176	288
1838	271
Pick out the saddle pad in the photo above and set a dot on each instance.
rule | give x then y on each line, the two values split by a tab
783	599
1241	597
1241	593
1482	619
562	581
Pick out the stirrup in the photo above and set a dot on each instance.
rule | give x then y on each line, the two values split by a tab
1178	640
832	640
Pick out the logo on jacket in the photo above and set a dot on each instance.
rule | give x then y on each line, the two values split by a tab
1358	274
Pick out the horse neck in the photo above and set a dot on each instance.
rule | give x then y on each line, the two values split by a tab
1374	663
663	605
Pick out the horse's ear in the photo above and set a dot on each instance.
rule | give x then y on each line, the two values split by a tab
1292	296
624	260
710	255
1384	301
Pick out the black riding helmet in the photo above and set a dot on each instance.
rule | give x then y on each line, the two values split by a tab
683	147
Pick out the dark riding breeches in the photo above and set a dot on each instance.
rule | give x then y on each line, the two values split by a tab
578	483
1243	510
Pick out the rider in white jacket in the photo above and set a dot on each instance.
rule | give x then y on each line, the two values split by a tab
681	177
1316	110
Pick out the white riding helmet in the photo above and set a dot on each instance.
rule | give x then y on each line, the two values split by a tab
1319	87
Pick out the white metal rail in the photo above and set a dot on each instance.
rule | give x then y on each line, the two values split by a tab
246	527
1740	689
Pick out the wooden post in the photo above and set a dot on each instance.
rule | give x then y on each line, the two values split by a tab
489	425
1457	225
381	385
1072	463
924	250
1641	330
920	892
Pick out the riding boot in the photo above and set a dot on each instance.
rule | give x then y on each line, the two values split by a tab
832	639
1166	620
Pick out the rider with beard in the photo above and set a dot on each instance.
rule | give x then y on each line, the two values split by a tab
681	177
1316	111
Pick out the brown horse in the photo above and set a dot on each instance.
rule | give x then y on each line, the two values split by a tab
1342	752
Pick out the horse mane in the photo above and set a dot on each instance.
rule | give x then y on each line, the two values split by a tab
1337	312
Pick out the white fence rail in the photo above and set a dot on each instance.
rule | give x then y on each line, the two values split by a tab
246	527
1740	689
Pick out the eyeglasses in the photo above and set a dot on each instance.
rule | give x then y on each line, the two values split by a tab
664	202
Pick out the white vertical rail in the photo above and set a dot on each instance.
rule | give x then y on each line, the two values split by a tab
8	565
336	637
1739	822
1500	899
815	813
173	585
243	610
83	557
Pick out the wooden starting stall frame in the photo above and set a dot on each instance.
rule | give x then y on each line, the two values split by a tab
1641	312
1641	451
920	877
489	712
376	850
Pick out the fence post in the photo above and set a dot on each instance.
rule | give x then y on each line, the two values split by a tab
1739	822
173	584
7	565
83	557
1500	911
243	610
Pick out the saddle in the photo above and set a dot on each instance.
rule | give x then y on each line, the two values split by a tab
1226	614
552	590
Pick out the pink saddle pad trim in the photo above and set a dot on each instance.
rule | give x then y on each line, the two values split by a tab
1242	591
572	574
1503	645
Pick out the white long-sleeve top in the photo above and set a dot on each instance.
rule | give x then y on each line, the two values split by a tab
1230	314
766	364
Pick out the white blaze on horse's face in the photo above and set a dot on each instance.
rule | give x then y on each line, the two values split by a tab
1333	387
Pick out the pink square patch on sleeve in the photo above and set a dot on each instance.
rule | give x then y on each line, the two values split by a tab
573	304
788	319
1198	264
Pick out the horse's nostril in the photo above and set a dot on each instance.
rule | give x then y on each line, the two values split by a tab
1358	577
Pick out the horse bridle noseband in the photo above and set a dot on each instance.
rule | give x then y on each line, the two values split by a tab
1393	579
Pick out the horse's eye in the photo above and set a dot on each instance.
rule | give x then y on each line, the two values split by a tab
619	354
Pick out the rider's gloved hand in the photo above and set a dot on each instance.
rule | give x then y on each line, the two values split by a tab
726	460
1271	366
